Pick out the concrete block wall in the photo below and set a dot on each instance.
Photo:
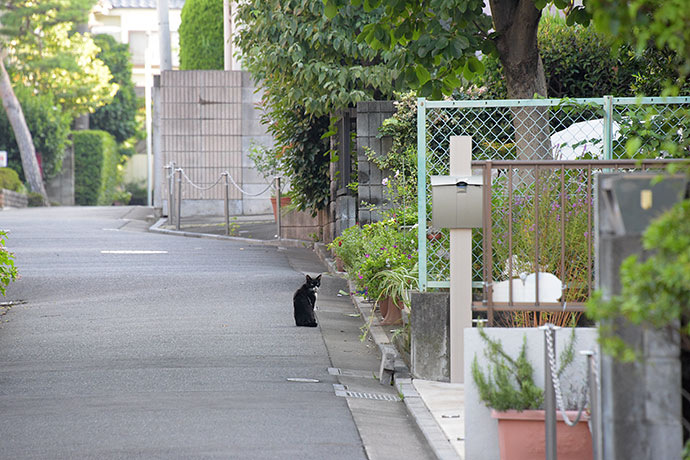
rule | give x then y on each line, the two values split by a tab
209	122
10	199
370	117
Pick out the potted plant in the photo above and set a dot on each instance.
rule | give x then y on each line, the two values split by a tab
394	286
269	163
508	388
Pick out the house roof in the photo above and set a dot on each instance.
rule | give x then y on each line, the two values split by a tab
150	4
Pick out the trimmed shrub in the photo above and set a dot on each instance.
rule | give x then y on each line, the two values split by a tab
201	35
49	126
95	167
9	180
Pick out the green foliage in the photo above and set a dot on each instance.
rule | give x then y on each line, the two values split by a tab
302	58
201	35
8	272
118	116
437	41
655	293
46	53
303	153
95	168
9	180
368	250
580	62
643	22
509	383
49	127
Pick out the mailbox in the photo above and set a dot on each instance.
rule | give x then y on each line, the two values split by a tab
457	201
630	201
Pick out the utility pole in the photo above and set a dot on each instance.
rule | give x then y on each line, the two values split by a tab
164	36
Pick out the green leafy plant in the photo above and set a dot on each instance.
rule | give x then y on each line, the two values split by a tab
8	272
302	153
509	382
396	282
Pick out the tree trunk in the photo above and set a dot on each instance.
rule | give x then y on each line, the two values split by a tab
21	133
516	23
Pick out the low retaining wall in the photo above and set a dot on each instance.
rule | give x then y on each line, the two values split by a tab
10	199
300	225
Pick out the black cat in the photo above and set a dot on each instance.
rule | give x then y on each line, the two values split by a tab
304	302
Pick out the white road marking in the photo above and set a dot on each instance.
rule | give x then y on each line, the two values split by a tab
134	252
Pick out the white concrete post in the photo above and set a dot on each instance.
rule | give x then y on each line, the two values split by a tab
460	265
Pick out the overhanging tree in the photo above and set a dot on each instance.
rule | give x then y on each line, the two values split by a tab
309	67
443	38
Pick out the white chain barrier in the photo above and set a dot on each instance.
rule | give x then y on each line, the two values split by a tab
551	351
220	178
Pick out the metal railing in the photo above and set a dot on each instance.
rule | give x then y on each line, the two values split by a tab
177	176
539	219
503	130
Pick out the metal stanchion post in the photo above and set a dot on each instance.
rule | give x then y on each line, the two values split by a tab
278	212
549	393
171	192
595	413
227	211
179	197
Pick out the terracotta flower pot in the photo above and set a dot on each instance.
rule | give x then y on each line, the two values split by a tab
393	312
284	201
521	436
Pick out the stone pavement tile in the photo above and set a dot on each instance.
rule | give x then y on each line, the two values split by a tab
446	402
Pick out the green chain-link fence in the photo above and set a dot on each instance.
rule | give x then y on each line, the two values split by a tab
560	129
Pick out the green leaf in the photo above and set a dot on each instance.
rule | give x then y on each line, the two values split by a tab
540	4
330	9
423	74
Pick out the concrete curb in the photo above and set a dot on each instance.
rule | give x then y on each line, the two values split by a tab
436	438
402	380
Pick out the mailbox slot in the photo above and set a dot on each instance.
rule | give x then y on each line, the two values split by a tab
457	201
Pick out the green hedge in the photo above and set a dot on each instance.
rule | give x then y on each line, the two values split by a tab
201	35
95	167
9	180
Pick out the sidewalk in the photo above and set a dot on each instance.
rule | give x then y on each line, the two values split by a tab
436	407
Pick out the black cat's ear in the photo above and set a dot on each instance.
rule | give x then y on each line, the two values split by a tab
308	278
318	278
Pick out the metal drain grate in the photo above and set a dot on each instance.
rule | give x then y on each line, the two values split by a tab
341	391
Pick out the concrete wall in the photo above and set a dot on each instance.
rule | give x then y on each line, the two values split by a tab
370	116
60	189
481	431
430	336
10	199
208	124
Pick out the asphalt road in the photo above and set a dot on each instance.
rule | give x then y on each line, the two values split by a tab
184	351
